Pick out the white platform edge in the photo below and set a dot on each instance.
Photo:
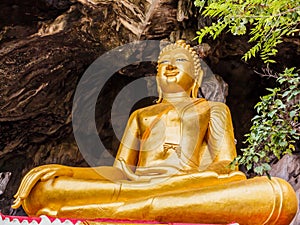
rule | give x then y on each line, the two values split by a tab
45	221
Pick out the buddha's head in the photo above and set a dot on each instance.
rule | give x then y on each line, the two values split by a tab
179	70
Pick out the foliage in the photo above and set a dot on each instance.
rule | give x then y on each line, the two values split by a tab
268	21
275	128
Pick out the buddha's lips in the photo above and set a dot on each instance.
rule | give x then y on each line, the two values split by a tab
171	74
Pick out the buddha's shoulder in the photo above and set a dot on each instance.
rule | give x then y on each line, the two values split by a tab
164	107
218	107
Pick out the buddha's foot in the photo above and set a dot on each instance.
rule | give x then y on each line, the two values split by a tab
48	212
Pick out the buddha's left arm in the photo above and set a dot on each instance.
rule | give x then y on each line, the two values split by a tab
128	151
220	138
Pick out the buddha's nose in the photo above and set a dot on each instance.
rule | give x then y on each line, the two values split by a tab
170	67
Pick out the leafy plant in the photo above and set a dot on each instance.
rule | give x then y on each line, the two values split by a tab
275	128
267	20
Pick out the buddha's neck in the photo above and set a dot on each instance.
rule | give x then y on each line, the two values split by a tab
176	97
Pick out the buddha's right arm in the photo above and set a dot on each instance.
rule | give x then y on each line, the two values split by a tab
41	173
127	151
52	171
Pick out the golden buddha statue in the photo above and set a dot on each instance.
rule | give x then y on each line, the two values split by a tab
171	166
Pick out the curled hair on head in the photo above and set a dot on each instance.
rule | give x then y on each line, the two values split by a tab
197	65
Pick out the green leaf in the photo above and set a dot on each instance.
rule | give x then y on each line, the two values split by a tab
266	167
258	170
292	147
293	113
249	166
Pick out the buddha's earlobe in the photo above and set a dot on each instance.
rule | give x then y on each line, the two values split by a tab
195	89
160	94
197	83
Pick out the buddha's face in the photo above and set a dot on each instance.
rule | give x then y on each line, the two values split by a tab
176	71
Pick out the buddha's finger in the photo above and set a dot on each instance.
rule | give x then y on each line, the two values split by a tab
29	177
155	171
56	173
128	172
49	175
24	181
132	176
17	203
26	185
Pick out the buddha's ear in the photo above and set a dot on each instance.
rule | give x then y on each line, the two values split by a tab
195	90
160	95
200	76
197	84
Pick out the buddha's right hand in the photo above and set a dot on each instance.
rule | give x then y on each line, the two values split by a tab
41	173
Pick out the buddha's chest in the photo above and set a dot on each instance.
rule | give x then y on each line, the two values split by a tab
174	125
170	136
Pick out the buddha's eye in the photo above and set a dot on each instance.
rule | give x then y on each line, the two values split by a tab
181	60
164	62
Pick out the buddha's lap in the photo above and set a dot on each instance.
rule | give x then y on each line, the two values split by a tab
258	194
73	190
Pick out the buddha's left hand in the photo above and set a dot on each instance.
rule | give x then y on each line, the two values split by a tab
152	173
